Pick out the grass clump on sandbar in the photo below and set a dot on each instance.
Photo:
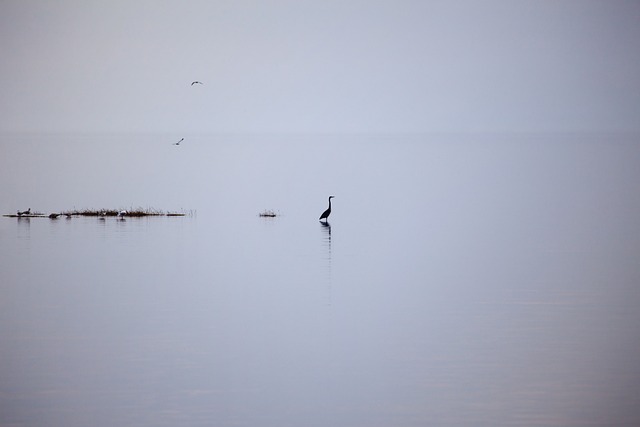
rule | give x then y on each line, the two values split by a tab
268	213
131	212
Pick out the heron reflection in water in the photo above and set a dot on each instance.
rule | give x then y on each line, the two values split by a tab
325	214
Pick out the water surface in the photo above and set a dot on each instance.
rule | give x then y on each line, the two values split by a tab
462	281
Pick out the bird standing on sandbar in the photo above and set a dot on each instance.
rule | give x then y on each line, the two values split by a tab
196	83
325	214
178	143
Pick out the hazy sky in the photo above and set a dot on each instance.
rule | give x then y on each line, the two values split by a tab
319	66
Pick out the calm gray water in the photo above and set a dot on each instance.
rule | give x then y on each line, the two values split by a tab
462	281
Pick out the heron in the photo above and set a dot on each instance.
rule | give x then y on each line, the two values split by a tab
196	83
178	143
325	214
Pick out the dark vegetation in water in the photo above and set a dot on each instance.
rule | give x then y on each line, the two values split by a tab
268	213
116	212
137	212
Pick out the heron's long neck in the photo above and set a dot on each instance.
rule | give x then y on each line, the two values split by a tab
329	202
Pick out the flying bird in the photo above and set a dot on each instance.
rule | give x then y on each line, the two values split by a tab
196	83
325	214
178	143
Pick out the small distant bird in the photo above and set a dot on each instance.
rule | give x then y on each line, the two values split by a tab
325	214
196	83
178	143
121	214
54	215
27	212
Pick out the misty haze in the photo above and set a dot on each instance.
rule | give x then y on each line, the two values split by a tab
479	266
